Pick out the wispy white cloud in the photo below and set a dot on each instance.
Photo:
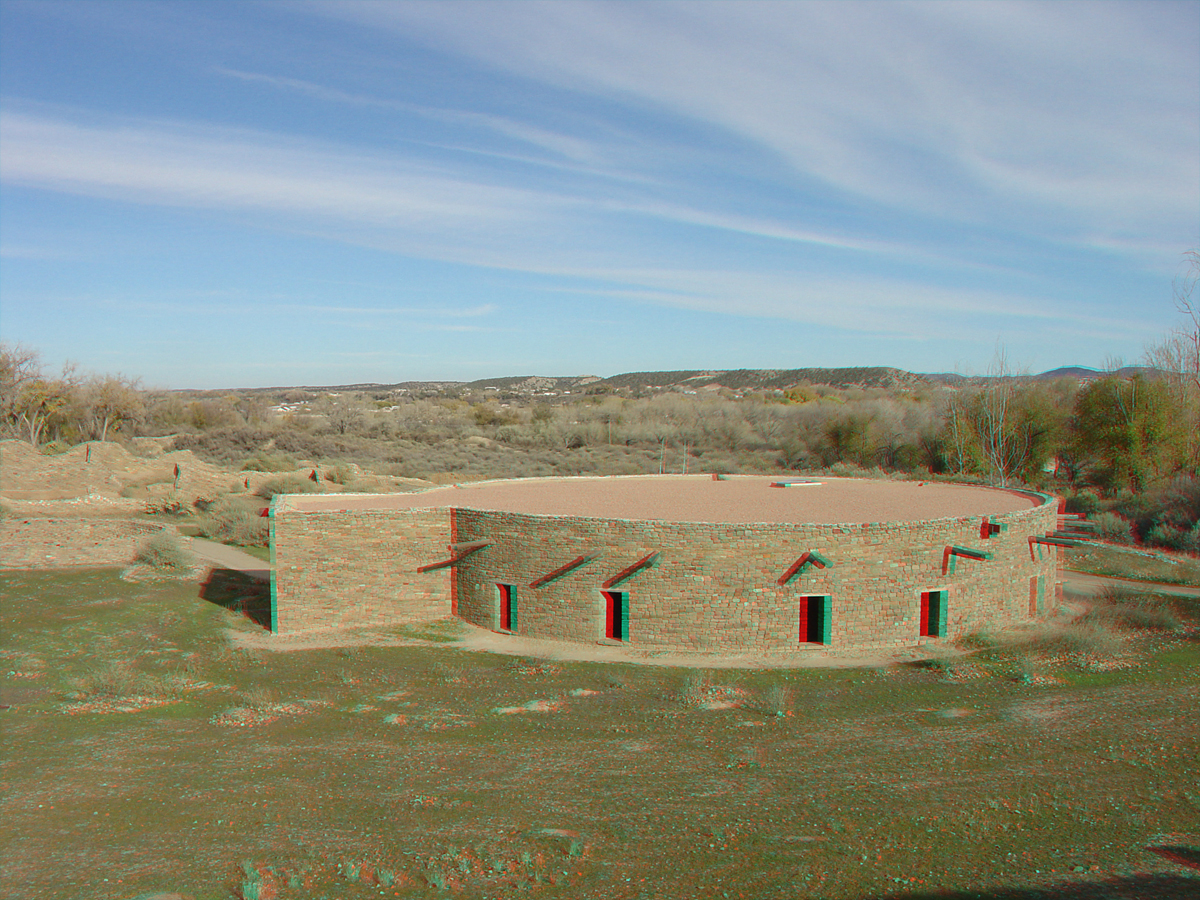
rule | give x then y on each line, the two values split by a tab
473	312
187	165
1050	112
891	307
404	204
560	146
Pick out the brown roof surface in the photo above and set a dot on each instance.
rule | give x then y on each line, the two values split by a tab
696	498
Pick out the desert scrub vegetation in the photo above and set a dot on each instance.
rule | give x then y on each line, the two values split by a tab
777	699
287	484
234	520
1133	611
268	461
116	680
165	552
1113	527
695	688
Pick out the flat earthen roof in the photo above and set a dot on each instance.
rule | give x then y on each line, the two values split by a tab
695	498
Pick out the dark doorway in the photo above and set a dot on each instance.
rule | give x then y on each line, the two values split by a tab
933	613
816	619
616	615
508	607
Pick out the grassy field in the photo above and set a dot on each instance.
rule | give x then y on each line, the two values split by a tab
143	752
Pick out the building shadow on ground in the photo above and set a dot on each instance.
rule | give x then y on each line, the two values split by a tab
248	593
1130	887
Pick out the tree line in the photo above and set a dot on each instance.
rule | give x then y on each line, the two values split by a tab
1116	433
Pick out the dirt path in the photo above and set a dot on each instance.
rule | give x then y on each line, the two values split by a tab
1082	583
230	558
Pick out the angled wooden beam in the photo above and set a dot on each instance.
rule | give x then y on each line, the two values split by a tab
458	552
969	552
466	547
564	569
951	554
1048	539
808	557
629	571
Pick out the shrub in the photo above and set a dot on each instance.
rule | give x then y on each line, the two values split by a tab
1134	611
287	484
1166	536
1082	504
265	461
695	688
1081	638
1113	527
225	445
777	699
121	679
339	474
1191	541
112	680
234	521
165	552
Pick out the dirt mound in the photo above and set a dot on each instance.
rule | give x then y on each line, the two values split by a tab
104	477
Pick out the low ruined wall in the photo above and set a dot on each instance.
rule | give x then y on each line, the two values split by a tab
343	569
714	587
28	543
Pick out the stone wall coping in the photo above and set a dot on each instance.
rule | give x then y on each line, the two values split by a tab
1015	515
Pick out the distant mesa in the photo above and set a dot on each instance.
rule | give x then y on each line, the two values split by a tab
738	381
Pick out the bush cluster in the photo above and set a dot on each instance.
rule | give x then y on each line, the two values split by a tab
287	484
165	552
233	520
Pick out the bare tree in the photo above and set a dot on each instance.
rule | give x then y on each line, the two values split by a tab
106	402
19	367
1177	356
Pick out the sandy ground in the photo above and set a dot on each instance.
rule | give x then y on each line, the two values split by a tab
106	479
480	640
699	498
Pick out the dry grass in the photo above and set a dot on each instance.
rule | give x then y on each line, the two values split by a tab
1133	611
165	552
231	520
619	794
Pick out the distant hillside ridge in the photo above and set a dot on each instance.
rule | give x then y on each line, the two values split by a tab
764	379
1078	373
533	384
740	381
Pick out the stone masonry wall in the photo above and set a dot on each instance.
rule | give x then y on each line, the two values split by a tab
339	569
58	543
715	587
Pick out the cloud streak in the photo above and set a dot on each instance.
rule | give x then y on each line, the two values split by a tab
959	110
904	173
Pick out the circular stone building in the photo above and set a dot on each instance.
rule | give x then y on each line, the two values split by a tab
717	563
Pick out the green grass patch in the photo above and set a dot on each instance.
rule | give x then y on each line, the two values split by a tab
263	553
1118	562
361	772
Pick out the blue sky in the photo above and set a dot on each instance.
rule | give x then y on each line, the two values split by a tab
233	194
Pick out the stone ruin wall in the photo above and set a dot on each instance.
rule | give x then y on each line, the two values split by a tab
71	542
714	586
340	569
